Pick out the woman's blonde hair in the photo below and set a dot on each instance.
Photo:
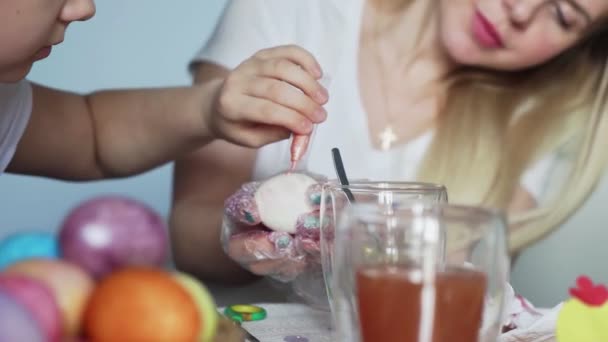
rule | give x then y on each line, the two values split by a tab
496	125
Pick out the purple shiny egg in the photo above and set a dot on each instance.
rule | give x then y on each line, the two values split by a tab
38	300
110	232
16	323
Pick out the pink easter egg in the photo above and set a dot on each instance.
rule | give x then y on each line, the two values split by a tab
71	287
16	322
110	232
38	299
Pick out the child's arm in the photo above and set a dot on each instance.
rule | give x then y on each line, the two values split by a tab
125	132
110	133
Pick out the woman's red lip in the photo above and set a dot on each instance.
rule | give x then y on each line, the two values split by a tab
489	28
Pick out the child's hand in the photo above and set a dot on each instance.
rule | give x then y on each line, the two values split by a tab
269	96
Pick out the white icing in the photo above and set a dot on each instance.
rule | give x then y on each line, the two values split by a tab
282	199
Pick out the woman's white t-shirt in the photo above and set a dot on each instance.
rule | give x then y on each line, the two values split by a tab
15	111
330	30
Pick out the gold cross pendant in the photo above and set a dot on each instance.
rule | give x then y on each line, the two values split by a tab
387	138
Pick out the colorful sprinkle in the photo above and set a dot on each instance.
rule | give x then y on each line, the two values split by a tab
241	205
283	242
307	226
314	194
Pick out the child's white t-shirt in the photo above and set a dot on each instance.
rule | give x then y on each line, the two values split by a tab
330	30
15	111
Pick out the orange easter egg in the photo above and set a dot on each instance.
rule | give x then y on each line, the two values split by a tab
141	304
70	285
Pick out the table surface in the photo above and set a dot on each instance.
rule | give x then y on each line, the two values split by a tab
284	320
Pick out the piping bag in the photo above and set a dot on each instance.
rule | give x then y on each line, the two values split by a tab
300	143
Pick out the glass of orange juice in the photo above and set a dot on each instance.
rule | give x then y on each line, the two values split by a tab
419	273
336	197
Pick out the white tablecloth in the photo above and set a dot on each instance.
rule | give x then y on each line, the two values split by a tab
291	320
285	320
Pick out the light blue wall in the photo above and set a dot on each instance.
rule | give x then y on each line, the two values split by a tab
546	271
128	44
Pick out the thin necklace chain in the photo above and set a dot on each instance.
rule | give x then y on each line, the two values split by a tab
388	136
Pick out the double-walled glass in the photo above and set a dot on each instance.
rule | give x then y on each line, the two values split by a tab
419	273
383	195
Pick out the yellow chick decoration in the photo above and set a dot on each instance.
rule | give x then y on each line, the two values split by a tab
584	317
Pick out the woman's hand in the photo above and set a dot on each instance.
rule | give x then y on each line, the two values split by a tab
279	255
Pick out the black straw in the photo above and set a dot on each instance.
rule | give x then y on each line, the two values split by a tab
341	172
